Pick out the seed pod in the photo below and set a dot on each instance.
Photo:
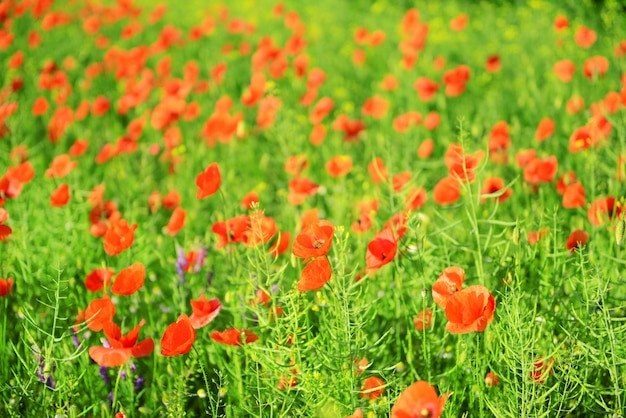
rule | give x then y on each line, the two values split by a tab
619	231
515	237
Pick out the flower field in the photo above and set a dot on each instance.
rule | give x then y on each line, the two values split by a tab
312	209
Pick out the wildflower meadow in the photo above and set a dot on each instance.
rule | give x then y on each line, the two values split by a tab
406	209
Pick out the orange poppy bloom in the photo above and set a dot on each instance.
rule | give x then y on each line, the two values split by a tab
448	283
4	215
423	320
40	107
315	274
541	370
585	37
493	63
296	164
389	83
425	88
564	70
373	387
178	337
351	128
129	280
491	379
534	236
99	313
447	191
455	80
541	170
400	180
415	199
5	286
470	310
60	196
603	210
576	239
61	166
381	250
122	347
574	196
567	178
321	109
458	23
204	311
208	181
495	185
281	245
318	134
171	200
419	400
119	237
339	165
234	336
176	222
231	230
545	129
595	66
300	189
561	23
97	279
376	107
425	149
575	104
461	165
314	240
249	200
79	147
377	170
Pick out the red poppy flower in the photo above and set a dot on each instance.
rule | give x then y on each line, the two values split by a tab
122	347
204	311
208	181
300	189
415	199
318	134
61	166
129	280
99	313
603	210
447	191
575	104
534	236
423	320
176	222
5	232
418	401
249	200
178	337
234	336
585	37
541	370
545	129
495	185
60	196
400	180
381	250
98	279
541	170
231	230
339	165
574	196
426	148
377	170
314	240
449	282
315	274
493	63
576	239
5	286
373	387
566	179
470	310
119	237
458	23
491	379
564	70
561	23
425	88
595	66
282	244
432	120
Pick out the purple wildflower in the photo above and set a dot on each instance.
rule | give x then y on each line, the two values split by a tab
105	375
138	383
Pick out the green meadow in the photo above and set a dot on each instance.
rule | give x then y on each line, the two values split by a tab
312	209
